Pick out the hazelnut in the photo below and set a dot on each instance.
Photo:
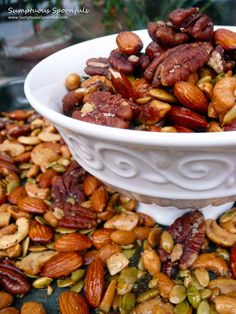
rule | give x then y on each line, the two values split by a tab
72	81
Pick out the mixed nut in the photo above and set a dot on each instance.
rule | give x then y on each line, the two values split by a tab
60	226
184	81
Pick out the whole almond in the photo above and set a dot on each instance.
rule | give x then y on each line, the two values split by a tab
32	307
129	43
101	237
6	299
72	303
123	237
18	193
45	179
61	265
40	233
32	205
90	185
99	199
72	242
190	96
94	283
225	38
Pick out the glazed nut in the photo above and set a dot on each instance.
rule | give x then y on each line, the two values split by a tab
33	306
71	302
72	81
190	96
90	184
212	262
99	199
72	242
32	205
226	286
13	148
51	219
153	112
7	241
129	43
6	299
124	221
219	235
225	305
151	262
225	38
116	262
29	140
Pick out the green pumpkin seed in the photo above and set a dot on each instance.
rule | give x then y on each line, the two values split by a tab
205	293
223	253
77	274
31	276
184	273
12	185
194	296
128	301
25	166
202	277
49	290
40	219
153	283
41	282
147	295
203	308
166	241
126	280
62	230
25	246
227	216
78	286
67	282
204	79
129	253
87	231
177	294
182	308
50	246
59	168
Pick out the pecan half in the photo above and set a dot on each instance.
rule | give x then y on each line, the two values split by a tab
177	63
189	231
12	279
121	62
154	50
97	66
180	17
166	35
105	109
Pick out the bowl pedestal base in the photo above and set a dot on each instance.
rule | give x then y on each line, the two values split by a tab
167	215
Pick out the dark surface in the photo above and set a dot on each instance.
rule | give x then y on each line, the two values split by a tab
12	96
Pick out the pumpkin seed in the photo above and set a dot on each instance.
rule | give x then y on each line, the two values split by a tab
202	277
182	308
227	216
31	276
223	253
177	294
78	286
184	273
128	301
49	290
166	241
203	308
41	282
62	230
153	283
12	185
205	293
77	274
129	253
162	94
87	231
147	295
25	246
40	219
37	248
126	280
194	296
67	282
59	168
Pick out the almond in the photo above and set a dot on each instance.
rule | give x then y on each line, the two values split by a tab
94	283
190	96
9	310
73	242
61	265
99	199
72	303
32	205
101	237
18	193
129	43
45	179
123	237
6	299
40	233
19	114
90	185
32	307
225	38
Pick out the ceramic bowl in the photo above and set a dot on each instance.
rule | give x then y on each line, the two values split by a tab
169	171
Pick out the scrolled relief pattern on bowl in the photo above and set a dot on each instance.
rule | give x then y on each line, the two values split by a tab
153	172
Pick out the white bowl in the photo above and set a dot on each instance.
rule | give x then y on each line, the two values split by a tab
178	170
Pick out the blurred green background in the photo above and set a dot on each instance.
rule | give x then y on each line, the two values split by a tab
25	39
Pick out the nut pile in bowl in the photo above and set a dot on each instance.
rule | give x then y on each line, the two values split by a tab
183	82
62	229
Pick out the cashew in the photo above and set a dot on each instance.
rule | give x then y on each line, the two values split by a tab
29	140
10	229
41	155
124	221
151	306
49	137
224	94
10	240
13	148
32	189
33	262
227	286
219	235
213	262
116	263
4	219
225	305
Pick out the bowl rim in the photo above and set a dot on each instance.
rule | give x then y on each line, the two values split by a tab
127	136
